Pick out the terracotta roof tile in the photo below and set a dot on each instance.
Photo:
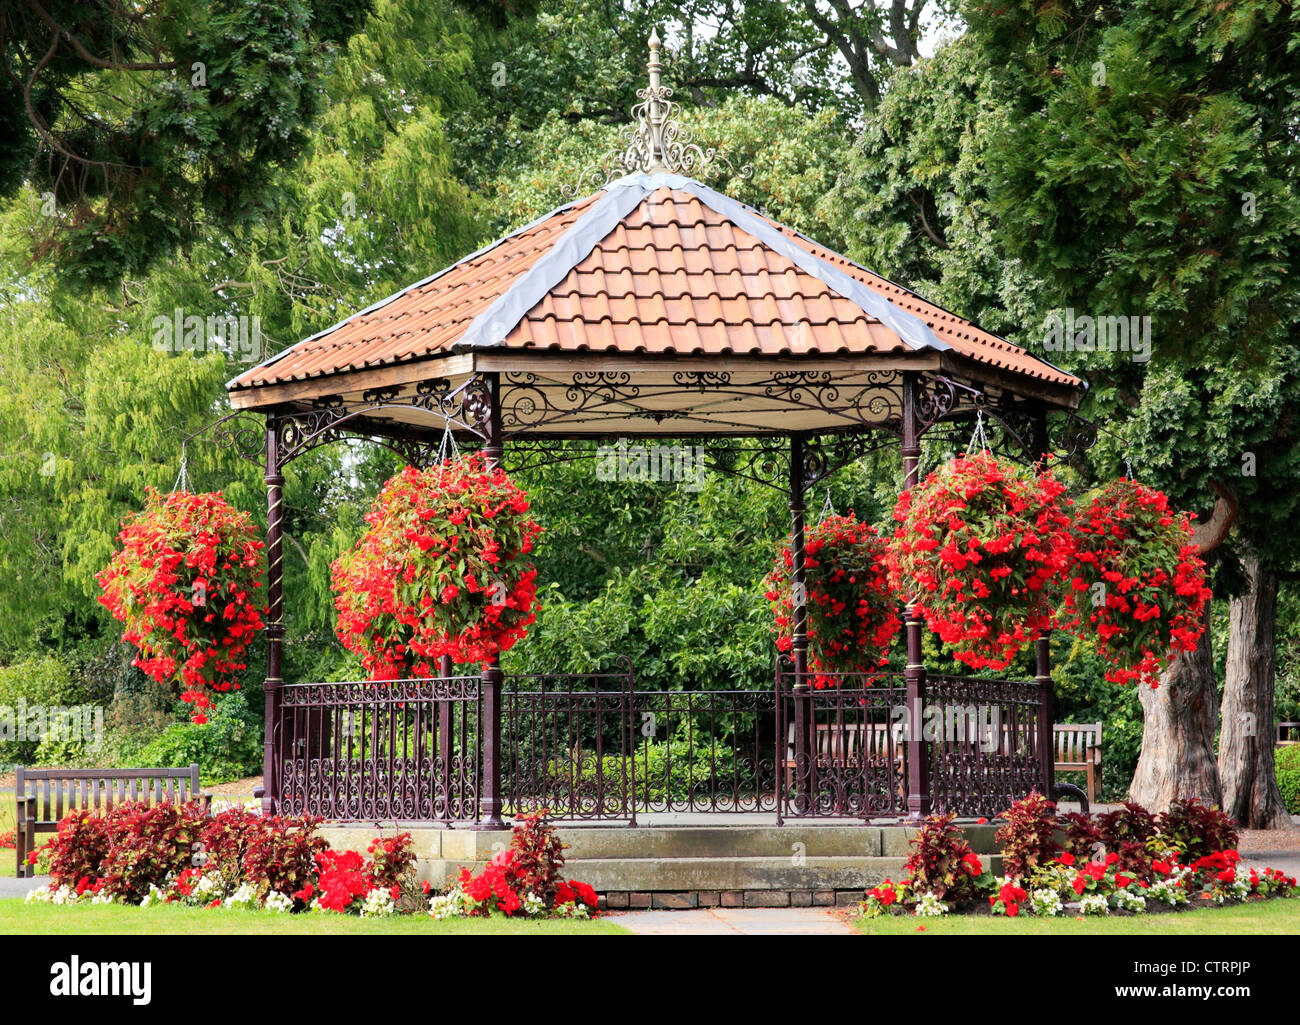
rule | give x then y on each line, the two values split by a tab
674	275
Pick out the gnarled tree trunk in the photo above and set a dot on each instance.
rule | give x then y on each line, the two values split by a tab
1180	716
1179	719
1246	763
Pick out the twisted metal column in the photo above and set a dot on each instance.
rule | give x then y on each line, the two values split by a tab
803	765
275	613
490	722
918	754
1043	655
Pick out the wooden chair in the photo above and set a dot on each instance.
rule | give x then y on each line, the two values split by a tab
1078	749
1288	733
45	796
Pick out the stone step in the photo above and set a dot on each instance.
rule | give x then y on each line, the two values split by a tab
682	859
680	875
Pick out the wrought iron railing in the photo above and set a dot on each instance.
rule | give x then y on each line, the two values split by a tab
592	747
987	752
595	747
845	751
400	749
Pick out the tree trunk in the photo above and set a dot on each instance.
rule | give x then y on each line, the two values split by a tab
1179	719
1246	764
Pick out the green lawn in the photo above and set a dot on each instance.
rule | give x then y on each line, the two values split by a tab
19	918
1264	918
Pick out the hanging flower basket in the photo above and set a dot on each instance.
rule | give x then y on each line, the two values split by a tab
852	613
440	571
983	547
185	583
1137	588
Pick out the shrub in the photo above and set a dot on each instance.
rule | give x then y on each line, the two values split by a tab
1028	840
148	844
78	849
942	862
281	857
227	747
42	681
392	858
1288	777
226	840
539	856
1123	832
1195	830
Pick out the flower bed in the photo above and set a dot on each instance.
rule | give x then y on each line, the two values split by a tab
522	880
145	855
1103	868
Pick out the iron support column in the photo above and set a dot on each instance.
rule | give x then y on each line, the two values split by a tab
803	762
492	680
918	751
275	615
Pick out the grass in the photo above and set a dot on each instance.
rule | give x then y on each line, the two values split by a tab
1260	918
17	918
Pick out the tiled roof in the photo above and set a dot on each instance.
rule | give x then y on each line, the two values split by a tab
653	264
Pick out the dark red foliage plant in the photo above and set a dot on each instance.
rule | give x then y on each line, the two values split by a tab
147	844
943	863
392	858
1123	833
281	857
78	848
1028	837
538	855
1195	830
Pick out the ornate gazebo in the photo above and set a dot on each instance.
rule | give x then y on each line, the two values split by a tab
655	308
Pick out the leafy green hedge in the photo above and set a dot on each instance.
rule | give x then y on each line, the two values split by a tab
1288	776
227	748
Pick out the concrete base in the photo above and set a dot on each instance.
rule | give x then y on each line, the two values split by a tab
690	866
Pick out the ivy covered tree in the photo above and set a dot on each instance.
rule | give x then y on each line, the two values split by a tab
1141	163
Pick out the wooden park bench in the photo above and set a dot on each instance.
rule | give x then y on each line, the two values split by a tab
1078	749
1288	733
45	795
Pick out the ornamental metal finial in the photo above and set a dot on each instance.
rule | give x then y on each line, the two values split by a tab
655	140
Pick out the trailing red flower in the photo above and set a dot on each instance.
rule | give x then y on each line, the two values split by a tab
983	547
440	571
1137	588
186	585
852	614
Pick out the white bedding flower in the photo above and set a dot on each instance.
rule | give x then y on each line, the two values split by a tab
1127	900
1094	904
245	896
1045	902
379	903
930	906
281	903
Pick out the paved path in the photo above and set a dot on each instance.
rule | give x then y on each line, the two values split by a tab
11	887
735	922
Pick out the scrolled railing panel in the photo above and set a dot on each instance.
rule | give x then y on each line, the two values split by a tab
402	750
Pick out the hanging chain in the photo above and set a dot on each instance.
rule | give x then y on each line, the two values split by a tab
978	433
827	508
183	478
447	448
